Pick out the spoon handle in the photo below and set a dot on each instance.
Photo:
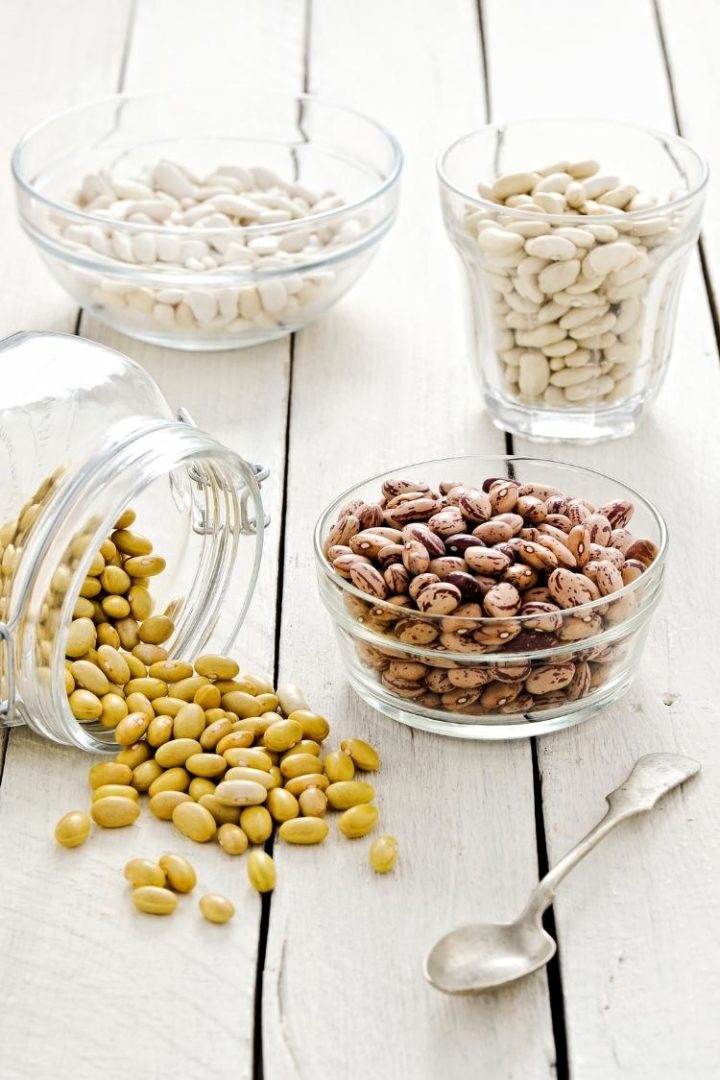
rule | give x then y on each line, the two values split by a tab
652	777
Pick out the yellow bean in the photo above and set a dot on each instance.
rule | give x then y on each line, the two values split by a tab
282	735
131	728
154	900
256	823
298	784
141	604
243	705
108	635
232	839
177	779
167	706
176	752
258	776
208	697
131	543
85	706
206	764
114	812
144	774
314	726
363	754
141	872
113	664
214	732
89	677
156	630
268	702
179	872
114	708
163	804
383	854
291	698
83	608
115	580
261	871
186	689
189	722
300	765
216	908
115	607
125	520
224	815
240	793
151	688
160	731
282	805
90	587
149	654
128	633
137	702
199	786
359	820
346	793
194	821
241	741
305	746
69	682
123	790
304	830
140	566
137	668
134	755
109	772
216	667
339	766
72	829
313	802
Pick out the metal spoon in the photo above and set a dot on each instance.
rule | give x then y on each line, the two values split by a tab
483	956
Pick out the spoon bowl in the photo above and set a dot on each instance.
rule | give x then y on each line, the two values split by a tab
485	955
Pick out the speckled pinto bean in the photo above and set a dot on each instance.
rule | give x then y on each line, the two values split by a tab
499	568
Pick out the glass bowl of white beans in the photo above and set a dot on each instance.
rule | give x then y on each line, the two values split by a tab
491	597
207	219
574	236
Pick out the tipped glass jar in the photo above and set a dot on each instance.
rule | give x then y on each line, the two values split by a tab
84	432
575	236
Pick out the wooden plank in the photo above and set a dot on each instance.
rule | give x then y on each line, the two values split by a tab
83	932
690	38
636	927
41	73
383	379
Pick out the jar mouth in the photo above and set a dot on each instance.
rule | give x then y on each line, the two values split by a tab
326	217
652	574
521	214
128	467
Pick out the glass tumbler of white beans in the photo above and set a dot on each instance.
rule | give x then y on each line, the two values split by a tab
574	236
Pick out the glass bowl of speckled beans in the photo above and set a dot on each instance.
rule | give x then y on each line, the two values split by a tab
490	597
207	219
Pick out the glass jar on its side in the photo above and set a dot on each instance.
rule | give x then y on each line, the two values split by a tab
85	433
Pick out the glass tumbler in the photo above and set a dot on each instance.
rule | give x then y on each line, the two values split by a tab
575	236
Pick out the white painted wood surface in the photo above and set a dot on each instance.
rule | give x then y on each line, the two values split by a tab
637	920
89	989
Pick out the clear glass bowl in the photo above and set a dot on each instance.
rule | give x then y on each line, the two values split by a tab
547	370
231	302
494	678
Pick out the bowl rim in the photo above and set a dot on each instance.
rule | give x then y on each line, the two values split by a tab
521	214
487	620
190	231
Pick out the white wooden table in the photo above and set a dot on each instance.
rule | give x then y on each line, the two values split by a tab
325	980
